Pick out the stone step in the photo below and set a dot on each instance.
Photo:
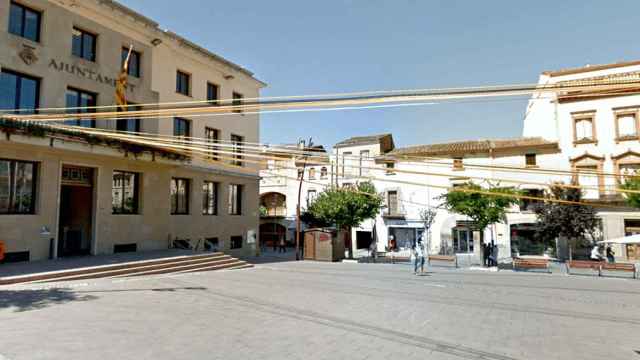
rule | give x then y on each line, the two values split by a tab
233	266
111	269
140	269
181	267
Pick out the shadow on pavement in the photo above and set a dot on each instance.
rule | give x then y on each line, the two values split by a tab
172	289
27	300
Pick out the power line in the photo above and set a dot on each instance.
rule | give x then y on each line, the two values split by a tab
347	101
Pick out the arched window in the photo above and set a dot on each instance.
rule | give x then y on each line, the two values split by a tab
273	204
312	173
323	172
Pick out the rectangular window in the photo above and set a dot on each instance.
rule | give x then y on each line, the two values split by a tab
346	168
235	199
237	101
457	164
627	126
124	192
179	196
83	44
183	85
212	136
462	240
311	196
392	202
364	162
134	62
181	127
390	168
18	91
17	187
129	125
312	174
212	93
236	242
530	159
82	102
24	22
209	198
583	129
589	179
237	142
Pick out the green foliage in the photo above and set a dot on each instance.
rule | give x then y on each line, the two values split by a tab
484	209
570	221
345	207
632	183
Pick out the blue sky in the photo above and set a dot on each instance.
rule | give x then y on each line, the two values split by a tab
314	47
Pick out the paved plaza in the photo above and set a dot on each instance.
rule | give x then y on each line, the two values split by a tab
311	310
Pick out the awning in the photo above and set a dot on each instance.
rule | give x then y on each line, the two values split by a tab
632	239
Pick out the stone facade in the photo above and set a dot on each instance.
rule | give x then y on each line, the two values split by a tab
50	61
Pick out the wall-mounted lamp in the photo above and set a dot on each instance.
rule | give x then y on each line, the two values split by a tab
156	42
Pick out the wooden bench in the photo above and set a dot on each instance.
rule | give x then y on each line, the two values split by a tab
619	267
526	264
584	264
444	258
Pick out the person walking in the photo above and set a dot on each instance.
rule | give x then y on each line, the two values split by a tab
282	247
485	254
595	254
418	252
611	255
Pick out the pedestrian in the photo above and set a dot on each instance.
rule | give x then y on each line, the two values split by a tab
418	252
496	254
283	247
610	255
485	254
595	254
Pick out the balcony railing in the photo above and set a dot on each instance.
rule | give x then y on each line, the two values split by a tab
274	211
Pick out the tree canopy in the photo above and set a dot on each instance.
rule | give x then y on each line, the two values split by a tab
344	207
632	183
474	201
571	221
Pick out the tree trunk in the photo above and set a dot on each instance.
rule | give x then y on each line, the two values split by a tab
349	242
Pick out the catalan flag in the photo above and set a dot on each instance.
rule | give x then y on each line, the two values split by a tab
121	83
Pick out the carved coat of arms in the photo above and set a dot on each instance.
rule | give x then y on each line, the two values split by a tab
28	55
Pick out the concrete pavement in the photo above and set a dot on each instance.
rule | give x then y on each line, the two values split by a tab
310	310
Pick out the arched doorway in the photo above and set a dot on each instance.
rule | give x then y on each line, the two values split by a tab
271	233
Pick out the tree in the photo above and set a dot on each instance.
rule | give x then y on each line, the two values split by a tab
428	216
570	221
346	207
480	204
632	183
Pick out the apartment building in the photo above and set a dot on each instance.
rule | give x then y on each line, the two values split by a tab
595	131
66	194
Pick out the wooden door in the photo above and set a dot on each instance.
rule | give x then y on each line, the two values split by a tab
309	246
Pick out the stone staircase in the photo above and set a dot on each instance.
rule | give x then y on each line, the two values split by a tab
175	265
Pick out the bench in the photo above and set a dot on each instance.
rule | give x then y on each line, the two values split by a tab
444	258
584	264
526	264
620	267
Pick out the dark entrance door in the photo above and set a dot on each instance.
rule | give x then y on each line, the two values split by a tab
76	212
363	239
